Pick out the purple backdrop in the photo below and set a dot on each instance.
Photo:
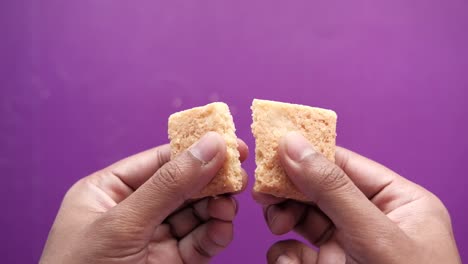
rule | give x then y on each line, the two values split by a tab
85	83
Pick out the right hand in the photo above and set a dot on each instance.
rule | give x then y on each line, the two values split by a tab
361	212
139	210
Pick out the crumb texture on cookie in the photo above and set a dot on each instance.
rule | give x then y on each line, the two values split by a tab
186	127
271	121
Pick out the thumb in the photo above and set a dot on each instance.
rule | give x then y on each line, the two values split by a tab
291	252
175	182
353	214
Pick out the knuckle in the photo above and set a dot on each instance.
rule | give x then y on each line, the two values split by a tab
440	210
332	178
205	246
325	235
168	176
120	237
78	187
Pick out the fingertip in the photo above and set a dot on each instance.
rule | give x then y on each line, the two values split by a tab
206	241
342	156
217	139
271	215
291	251
282	147
220	232
296	147
208	147
163	152
222	208
284	217
243	150
201	209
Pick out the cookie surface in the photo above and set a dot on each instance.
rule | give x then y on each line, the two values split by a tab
187	127
271	121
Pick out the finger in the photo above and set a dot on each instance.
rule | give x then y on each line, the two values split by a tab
222	208
206	241
201	209
243	150
161	233
282	218
183	222
137	169
162	246
378	182
369	176
331	189
245	180
315	226
188	218
332	253
210	208
175	182
266	199
291	252
306	220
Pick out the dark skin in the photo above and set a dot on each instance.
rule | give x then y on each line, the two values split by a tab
360	212
139	210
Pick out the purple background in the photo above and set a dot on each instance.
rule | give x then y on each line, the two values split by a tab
85	83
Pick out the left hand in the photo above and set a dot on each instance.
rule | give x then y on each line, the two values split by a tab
138	210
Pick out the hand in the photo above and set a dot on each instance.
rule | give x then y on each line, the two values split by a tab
361	212
138	210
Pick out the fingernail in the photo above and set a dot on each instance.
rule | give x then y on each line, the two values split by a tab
297	146
236	205
206	148
283	259
223	239
270	213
